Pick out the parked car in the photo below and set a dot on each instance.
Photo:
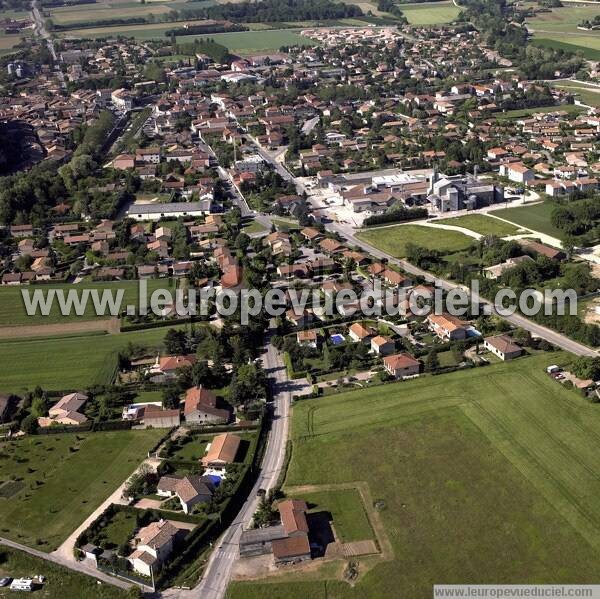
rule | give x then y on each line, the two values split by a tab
4	582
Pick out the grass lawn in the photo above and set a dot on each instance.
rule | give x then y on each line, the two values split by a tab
246	42
430	13
535	217
12	306
254	227
64	478
347	510
524	112
588	95
60	582
393	239
486	475
61	363
482	224
116	532
446	358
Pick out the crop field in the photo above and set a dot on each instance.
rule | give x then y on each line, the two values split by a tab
393	240
430	13
60	582
564	19
482	224
62	363
59	479
64	15
485	474
247	42
586	44
13	312
535	217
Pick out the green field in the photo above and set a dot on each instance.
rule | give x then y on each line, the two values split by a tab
63	478
558	29
587	45
61	582
393	240
63	363
482	224
535	217
587	94
347	510
247	42
486	476
430	13
524	112
12	308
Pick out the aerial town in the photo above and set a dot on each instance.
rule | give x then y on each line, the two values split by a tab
417	184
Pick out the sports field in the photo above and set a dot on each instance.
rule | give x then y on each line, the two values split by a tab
393	240
535	217
58	480
482	224
63	363
429	13
486	475
13	312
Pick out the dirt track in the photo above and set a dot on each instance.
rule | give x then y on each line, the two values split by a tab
110	325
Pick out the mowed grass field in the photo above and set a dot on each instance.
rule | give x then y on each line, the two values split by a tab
62	363
393	240
247	42
588	95
60	582
535	217
482	224
62	478
487	475
588	45
13	309
430	13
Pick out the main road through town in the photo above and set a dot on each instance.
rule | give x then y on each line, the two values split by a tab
217	573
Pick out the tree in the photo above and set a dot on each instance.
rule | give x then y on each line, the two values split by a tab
585	367
29	424
432	362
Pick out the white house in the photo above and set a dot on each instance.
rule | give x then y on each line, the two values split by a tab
518	172
155	212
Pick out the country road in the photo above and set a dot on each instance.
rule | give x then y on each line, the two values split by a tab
219	568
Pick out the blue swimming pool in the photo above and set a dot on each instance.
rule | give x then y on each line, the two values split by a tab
336	339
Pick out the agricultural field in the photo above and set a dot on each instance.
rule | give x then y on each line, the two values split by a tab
394	239
13	312
482	224
535	217
56	481
247	42
63	363
558	29
505	448
587	94
60	582
430	13
90	13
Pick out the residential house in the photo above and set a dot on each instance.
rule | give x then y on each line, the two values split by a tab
401	365
382	346
446	326
359	332
202	407
503	347
190	489
221	451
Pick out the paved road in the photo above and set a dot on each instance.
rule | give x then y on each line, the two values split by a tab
80	567
41	31
348	232
218	571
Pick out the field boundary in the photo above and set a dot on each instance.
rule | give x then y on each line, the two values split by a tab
108	325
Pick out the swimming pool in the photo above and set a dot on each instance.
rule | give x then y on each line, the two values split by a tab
336	339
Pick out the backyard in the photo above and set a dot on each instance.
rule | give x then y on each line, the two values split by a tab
393	240
504	447
55	481
60	582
